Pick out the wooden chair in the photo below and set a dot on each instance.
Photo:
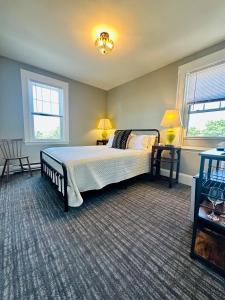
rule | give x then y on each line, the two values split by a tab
12	150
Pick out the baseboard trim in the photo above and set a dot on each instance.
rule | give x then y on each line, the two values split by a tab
34	166
183	178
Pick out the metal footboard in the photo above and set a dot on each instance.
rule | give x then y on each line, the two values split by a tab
58	180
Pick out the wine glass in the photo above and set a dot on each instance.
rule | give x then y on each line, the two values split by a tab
223	214
215	196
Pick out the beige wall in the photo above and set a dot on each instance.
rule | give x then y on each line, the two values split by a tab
86	105
141	103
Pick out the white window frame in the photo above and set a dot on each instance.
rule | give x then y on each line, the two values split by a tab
183	71
26	77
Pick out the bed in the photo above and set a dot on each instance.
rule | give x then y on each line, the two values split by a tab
74	170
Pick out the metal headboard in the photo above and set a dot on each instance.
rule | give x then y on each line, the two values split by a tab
150	130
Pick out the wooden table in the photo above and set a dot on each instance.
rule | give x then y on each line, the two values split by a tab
172	160
101	142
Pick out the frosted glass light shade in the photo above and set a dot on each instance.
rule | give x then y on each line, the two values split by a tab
104	44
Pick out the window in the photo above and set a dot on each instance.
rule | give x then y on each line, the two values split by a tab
201	96
205	97
45	106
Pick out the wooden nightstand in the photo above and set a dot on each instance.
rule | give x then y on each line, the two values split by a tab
101	142
172	159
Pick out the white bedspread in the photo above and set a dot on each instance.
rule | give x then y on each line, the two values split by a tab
93	167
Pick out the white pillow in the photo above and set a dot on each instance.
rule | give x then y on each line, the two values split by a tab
151	141
128	140
141	142
110	141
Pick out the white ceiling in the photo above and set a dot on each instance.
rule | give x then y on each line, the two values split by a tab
59	35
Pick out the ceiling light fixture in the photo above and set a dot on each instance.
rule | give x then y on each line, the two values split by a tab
104	44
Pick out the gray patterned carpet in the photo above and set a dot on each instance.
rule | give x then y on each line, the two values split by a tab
121	244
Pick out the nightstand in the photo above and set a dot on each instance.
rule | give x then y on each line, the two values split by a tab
101	142
173	160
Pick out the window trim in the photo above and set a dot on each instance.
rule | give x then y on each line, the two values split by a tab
26	77
183	71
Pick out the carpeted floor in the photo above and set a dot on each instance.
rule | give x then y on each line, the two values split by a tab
129	243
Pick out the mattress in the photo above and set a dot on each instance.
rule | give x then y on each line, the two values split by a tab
93	167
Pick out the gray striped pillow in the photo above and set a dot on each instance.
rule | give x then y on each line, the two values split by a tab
120	139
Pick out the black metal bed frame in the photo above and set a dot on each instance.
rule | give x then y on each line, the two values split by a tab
60	181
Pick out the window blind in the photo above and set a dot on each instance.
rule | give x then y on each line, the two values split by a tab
207	85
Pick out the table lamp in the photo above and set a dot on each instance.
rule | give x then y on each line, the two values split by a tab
170	120
104	125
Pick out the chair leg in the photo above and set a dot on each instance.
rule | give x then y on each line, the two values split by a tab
7	170
28	163
3	171
21	165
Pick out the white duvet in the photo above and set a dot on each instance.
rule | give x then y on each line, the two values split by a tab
93	167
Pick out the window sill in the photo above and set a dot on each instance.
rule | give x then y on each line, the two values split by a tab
219	138
193	148
29	143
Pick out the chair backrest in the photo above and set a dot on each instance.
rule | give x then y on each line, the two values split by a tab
11	148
